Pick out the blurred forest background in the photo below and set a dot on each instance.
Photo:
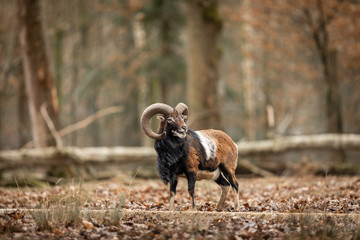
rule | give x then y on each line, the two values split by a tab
256	69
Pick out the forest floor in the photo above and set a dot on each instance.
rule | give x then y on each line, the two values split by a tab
132	208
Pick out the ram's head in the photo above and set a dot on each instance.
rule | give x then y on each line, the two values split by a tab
173	120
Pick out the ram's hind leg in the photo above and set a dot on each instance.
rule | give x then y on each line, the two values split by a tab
230	176
224	184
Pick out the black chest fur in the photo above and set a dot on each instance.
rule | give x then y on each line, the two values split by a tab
172	153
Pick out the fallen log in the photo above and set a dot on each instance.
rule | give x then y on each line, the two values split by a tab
73	155
100	155
303	142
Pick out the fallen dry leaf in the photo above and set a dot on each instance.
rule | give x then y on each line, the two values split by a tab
88	225
330	195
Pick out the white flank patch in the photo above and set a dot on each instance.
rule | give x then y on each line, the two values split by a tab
208	144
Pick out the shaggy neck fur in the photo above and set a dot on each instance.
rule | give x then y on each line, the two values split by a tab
172	152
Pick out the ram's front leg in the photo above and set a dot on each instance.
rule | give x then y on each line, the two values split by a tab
173	184
191	187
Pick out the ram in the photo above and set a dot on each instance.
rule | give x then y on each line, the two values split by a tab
195	155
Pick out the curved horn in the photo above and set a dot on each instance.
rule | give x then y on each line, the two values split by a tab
149	112
183	109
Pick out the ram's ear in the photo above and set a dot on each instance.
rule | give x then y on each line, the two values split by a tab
170	120
160	117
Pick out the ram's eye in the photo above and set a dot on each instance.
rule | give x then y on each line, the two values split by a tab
170	120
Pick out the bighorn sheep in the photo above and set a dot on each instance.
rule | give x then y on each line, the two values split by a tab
196	155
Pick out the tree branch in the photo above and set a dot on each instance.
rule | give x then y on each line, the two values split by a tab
51	125
87	121
82	124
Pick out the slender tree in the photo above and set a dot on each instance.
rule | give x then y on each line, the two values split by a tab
318	18
165	19
39	83
204	26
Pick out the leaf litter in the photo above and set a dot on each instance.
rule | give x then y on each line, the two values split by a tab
323	195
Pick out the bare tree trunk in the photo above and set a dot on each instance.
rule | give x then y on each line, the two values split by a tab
333	102
139	40
23	125
333	98
59	64
249	76
204	26
320	33
39	83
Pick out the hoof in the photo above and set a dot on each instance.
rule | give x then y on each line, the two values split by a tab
189	209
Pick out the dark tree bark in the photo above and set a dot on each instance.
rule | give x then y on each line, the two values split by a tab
24	134
39	83
318	23
204	26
